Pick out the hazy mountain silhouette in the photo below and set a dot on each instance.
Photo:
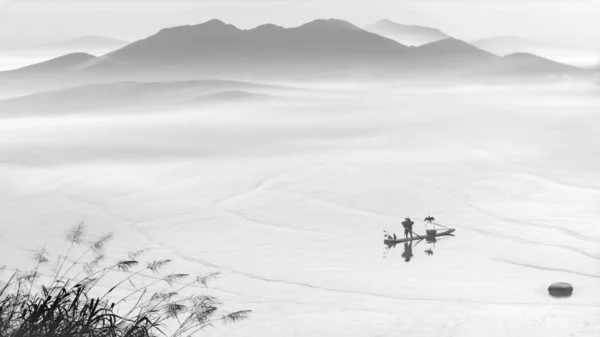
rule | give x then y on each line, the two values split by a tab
131	95
455	59
505	45
529	64
31	54
317	50
56	73
448	57
215	48
215	38
61	65
453	49
410	35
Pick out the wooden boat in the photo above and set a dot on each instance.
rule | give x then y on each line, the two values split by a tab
420	237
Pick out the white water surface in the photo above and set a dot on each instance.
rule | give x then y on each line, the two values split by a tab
289	200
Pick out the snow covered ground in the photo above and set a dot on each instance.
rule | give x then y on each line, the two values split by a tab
289	201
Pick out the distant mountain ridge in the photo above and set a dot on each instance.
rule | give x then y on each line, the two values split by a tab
61	65
410	35
505	45
320	49
452	48
128	95
215	49
334	37
529	63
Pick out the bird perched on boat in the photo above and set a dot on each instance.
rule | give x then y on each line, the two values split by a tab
429	219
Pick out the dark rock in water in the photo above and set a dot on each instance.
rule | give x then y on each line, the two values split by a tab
560	289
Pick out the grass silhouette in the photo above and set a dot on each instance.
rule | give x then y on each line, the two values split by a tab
69	303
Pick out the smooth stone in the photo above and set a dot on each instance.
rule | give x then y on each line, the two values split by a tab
560	289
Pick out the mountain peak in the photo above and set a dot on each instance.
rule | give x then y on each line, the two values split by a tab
215	24
58	64
329	23
449	43
531	63
73	57
453	48
392	24
267	28
521	55
213	27
386	22
411	35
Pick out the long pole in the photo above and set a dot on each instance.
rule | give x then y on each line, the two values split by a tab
419	236
437	224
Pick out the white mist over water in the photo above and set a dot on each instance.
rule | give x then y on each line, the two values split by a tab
289	202
10	62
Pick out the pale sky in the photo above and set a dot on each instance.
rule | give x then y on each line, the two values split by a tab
575	21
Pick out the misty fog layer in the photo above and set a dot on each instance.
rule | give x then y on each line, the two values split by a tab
288	199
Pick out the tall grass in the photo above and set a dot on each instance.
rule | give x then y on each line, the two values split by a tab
69	301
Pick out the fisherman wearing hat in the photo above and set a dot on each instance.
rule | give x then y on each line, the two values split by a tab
408	227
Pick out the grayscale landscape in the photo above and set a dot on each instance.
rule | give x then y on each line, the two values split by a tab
277	154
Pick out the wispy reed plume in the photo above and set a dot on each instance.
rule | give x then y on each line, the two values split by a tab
67	306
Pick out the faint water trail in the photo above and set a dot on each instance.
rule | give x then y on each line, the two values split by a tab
341	291
527	265
515	238
532	173
526	223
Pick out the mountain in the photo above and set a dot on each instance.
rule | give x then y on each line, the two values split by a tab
448	56
505	45
318	38
455	59
409	35
61	65
453	49
318	50
27	53
129	96
215	48
529	64
59	72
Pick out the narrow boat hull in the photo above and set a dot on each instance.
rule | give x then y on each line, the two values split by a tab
419	237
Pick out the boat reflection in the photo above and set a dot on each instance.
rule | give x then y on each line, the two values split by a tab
408	254
408	246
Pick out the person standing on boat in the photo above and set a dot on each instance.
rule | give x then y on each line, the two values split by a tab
408	227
